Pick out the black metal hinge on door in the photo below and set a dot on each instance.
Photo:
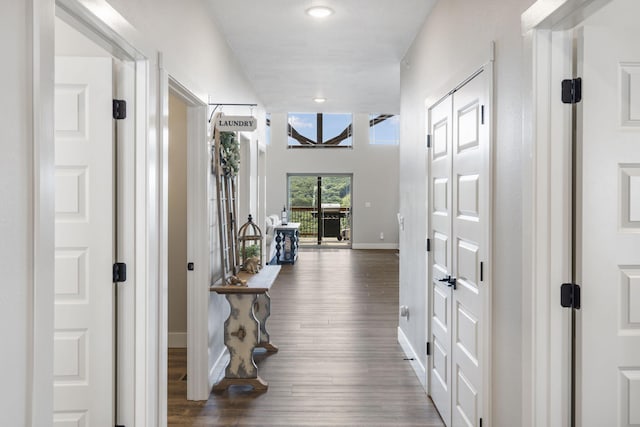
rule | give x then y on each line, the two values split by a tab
428	141
428	348
572	91
119	109
119	272
570	295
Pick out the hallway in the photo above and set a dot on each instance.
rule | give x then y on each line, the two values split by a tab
334	319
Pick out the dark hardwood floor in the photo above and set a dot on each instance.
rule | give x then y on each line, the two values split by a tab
334	318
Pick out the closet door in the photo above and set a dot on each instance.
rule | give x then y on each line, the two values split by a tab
441	266
469	248
459	231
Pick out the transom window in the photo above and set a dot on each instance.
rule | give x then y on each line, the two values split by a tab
320	130
384	129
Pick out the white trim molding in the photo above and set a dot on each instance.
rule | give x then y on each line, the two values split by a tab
414	359
217	370
41	259
546	233
177	340
374	246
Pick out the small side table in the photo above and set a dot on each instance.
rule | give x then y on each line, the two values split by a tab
245	328
286	237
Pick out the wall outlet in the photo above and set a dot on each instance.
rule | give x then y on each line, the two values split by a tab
381	236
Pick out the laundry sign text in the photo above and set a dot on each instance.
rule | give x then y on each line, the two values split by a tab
236	123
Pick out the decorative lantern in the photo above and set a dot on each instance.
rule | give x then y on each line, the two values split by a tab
250	245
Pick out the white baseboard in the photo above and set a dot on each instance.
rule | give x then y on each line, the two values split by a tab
374	246
177	340
417	362
216	373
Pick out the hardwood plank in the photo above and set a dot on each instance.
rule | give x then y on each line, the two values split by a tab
334	317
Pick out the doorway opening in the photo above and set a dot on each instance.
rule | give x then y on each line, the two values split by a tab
177	223
321	203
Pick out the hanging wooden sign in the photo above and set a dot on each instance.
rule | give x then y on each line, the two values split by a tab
236	123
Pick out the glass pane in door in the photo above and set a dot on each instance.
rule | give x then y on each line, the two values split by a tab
322	206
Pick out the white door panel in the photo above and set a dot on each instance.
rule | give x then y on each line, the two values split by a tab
469	173
83	325
440	216
458	222
609	346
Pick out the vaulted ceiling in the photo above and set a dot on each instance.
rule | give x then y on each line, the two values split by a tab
351	58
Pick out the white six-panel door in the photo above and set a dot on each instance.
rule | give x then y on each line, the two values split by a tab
609	349
459	176
441	267
84	329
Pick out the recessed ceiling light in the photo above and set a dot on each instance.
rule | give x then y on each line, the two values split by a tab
319	11
319	100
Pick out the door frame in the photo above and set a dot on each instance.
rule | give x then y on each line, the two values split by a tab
198	244
430	102
547	211
102	23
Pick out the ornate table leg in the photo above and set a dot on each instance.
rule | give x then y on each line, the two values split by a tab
278	247
241	332
262	311
294	245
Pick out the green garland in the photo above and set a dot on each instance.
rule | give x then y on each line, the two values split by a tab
229	153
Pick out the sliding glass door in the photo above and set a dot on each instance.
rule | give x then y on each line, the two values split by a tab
322	206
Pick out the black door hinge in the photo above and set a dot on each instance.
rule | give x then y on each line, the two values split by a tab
482	114
120	425
428	141
481	271
572	91
428	348
119	109
570	295
190	266
480	422
428	245
119	272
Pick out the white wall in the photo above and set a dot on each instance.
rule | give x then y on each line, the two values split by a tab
453	42
193	50
375	178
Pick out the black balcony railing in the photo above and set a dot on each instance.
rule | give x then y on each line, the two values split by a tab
308	219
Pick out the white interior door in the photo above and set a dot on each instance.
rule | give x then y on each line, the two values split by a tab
84	248
609	263
440	209
460	233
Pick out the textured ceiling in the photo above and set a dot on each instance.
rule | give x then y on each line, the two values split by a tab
352	58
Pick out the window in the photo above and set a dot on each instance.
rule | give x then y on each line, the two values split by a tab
384	129
319	130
